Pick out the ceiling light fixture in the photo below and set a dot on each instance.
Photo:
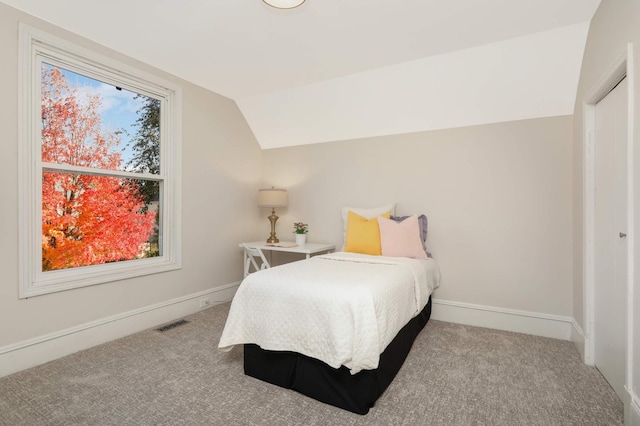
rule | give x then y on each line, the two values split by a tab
284	4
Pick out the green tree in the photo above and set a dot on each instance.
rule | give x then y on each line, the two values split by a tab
146	158
146	146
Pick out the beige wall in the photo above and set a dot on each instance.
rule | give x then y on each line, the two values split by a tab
498	199
221	172
615	24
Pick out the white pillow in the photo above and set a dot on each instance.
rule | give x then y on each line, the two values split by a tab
366	213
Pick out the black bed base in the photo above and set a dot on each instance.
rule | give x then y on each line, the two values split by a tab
309	376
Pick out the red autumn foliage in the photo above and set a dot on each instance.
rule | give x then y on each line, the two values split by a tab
86	219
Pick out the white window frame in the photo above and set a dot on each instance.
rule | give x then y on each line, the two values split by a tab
36	46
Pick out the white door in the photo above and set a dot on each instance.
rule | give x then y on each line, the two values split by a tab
610	329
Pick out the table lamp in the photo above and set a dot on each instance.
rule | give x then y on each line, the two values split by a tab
272	197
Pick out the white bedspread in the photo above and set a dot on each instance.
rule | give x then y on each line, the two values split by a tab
341	308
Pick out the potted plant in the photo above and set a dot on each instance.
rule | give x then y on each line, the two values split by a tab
301	230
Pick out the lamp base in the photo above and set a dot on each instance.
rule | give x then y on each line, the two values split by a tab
273	219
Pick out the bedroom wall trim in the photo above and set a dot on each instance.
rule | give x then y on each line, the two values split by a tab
634	412
545	325
577	337
38	350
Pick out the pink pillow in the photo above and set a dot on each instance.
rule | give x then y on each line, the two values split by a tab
401	239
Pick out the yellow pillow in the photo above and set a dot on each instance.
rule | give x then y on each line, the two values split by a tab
363	235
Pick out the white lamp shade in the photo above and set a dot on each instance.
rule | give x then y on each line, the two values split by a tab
272	197
284	4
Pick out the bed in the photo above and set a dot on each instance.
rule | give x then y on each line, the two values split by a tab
335	327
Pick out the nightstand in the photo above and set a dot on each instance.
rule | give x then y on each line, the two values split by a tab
307	249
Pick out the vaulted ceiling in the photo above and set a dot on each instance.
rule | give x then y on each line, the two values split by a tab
333	70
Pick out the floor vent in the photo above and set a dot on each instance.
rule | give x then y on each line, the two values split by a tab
172	325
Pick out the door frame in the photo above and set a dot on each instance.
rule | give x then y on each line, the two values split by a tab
622	67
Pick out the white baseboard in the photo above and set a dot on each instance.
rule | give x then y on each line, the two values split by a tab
36	351
557	327
577	338
632	411
29	353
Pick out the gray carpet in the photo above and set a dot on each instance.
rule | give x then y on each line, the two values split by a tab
454	375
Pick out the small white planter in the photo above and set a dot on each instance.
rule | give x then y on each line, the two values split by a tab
301	239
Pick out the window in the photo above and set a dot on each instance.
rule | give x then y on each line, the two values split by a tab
99	168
